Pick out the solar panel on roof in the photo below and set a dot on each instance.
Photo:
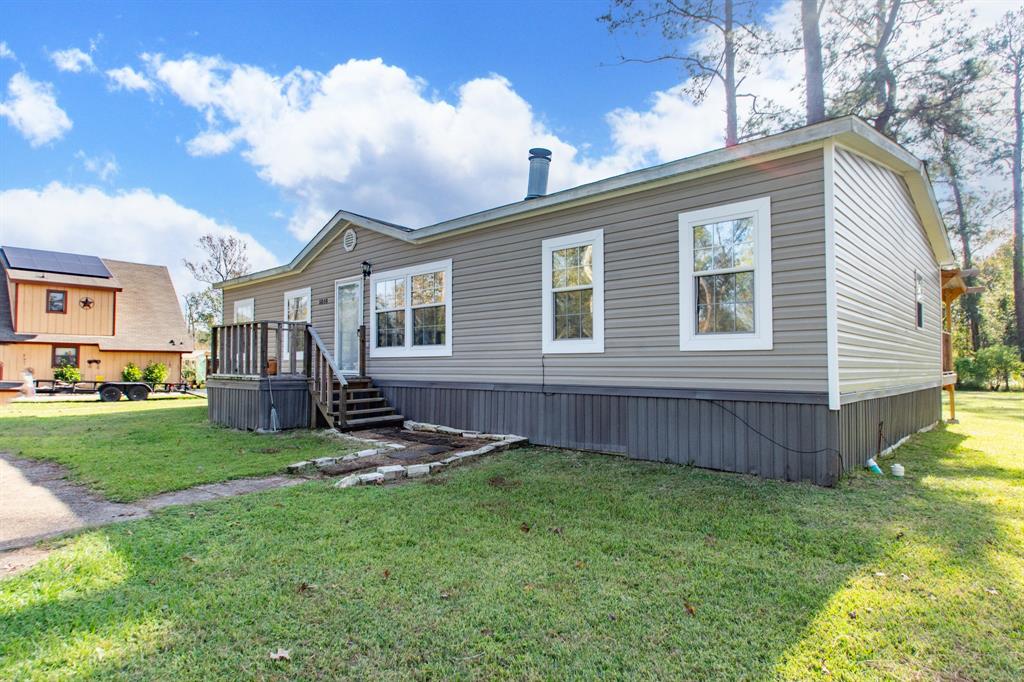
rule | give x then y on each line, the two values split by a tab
55	261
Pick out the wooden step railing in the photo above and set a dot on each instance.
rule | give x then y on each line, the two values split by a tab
323	377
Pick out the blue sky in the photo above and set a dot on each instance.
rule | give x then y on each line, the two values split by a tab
129	129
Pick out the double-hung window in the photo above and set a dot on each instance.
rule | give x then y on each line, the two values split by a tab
725	277
412	311
245	310
573	293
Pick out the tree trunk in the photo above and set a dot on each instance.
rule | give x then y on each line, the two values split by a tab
969	301
885	80
731	127
813	70
1018	206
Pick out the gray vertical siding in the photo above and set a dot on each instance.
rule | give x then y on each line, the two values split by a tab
497	290
742	436
897	415
879	243
246	403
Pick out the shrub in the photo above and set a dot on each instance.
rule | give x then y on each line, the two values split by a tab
155	373
131	372
969	373
67	373
988	368
1001	363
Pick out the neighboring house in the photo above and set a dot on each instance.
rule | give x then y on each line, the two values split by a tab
768	308
94	313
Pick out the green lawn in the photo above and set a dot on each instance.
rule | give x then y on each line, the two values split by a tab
128	451
551	564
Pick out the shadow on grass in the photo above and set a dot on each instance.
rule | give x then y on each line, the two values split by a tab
584	565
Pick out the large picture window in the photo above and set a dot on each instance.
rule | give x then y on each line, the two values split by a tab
725	293
573	290
412	311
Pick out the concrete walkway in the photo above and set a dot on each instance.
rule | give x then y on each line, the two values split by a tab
37	501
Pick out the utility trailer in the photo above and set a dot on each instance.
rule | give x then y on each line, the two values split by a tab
110	391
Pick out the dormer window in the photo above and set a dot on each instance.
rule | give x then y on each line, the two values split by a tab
56	301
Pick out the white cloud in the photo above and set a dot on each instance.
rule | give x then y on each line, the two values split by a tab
369	137
32	109
72	59
6	52
104	167
127	78
372	138
135	225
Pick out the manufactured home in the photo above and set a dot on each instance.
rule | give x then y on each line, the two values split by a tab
96	314
773	308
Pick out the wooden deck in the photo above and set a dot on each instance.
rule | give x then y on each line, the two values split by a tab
284	366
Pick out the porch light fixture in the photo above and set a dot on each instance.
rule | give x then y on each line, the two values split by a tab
367	268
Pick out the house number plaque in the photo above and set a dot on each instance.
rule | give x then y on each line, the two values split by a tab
323	301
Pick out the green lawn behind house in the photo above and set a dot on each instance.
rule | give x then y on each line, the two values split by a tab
131	450
545	564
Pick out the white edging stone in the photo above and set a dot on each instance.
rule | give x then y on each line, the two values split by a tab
396	471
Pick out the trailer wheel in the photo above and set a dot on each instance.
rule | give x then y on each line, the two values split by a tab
110	394
138	393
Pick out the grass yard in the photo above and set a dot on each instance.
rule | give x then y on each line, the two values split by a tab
552	564
129	450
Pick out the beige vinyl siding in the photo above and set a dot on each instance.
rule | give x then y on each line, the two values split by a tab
879	243
496	279
33	319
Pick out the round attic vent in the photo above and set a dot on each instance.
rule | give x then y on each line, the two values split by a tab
348	240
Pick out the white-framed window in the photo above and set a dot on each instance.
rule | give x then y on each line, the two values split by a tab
573	293
245	310
298	305
411	311
725	277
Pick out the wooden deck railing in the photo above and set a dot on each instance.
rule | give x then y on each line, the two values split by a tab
273	347
258	348
947	352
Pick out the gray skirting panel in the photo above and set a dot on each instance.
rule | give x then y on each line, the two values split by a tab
790	441
244	403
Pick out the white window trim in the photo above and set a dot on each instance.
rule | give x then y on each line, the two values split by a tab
240	302
761	339
409	350
550	345
292	294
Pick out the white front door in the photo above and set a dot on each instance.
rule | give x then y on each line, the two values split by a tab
348	317
297	308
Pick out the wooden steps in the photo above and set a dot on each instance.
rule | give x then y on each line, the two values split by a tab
365	406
